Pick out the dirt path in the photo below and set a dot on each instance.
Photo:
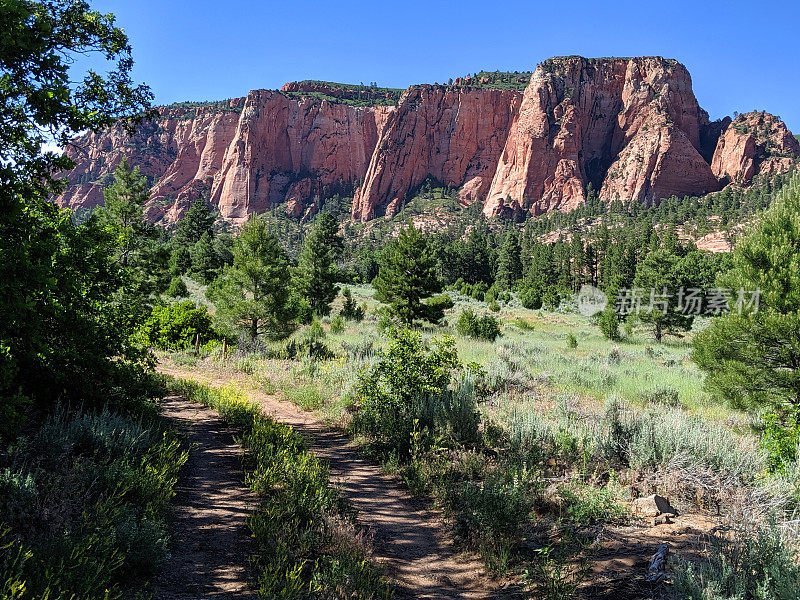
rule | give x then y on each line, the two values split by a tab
210	542
408	539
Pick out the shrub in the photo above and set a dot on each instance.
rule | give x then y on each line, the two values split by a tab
177	326
490	514
780	440
406	372
609	324
177	288
350	310
663	396
83	503
486	327
494	306
572	341
748	564
337	324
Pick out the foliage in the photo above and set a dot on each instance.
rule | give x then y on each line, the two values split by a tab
608	321
66	313
83	504
752	358
748	564
178	326
486	327
252	295
177	288
350	308
306	539
572	341
405	374
316	274
407	277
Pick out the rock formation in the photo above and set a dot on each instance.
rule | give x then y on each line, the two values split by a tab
753	144
631	128
451	135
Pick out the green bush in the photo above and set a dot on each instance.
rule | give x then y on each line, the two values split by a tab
486	327
337	324
749	564
572	341
781	439
406	372
608	322
350	310
176	326
177	288
587	504
490	514
83	504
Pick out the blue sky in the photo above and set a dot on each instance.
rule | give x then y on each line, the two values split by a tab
742	55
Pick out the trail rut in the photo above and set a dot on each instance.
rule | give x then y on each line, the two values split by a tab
409	540
210	542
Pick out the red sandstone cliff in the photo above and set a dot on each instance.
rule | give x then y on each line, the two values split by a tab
754	144
630	127
449	134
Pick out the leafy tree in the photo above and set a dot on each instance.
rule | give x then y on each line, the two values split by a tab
509	261
407	277
64	329
316	274
253	295
753	358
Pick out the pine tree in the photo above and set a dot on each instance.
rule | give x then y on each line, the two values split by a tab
199	219
316	274
124	210
204	259
753	358
253	295
509	261
407	277
659	278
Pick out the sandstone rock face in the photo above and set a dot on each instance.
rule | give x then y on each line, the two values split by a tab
269	148
449	134
631	128
753	144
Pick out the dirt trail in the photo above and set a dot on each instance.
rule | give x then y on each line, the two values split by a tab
408	539
210	543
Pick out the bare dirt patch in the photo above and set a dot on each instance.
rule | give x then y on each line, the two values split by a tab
210	542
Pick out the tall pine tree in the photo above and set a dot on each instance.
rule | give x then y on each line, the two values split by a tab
316	274
408	277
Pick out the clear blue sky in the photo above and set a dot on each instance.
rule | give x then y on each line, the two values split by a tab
742	55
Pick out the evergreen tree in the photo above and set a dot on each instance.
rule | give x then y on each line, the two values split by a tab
753	358
124	211
659	277
199	219
204	259
407	277
509	261
316	274
253	294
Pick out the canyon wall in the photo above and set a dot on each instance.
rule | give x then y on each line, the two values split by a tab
630	128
